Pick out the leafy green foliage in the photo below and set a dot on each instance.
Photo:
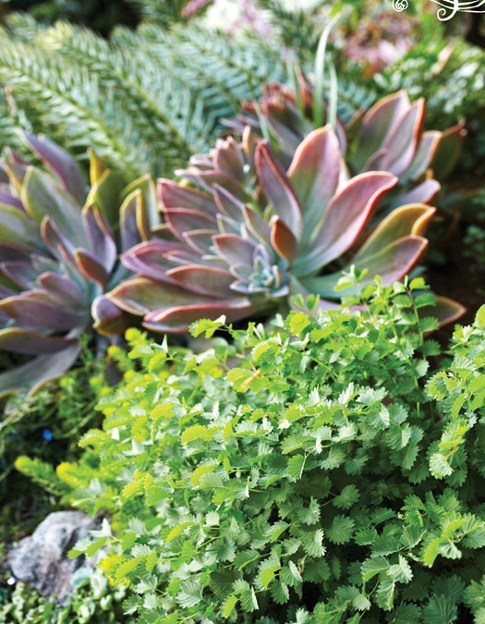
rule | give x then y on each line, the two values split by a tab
94	601
288	474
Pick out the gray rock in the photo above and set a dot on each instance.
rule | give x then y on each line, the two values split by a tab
42	560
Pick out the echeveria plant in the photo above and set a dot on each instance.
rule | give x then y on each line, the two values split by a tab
58	253
387	137
252	234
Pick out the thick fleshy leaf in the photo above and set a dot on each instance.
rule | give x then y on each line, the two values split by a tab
200	241
62	290
142	295
346	215
179	319
24	341
134	222
60	246
314	173
182	220
6	199
13	252
283	240
106	195
449	151
403	221
59	162
209	281
446	310
229	226
229	159
148	190
91	267
31	376
96	167
258	226
234	249
16	173
424	193
378	122
150	260
173	195
207	179
30	310
278	189
393	262
100	236
425	153
109	319
17	227
43	198
401	144
228	204
20	272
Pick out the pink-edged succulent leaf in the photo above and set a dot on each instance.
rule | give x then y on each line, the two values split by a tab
346	216
43	198
59	245
210	281
31	376
446	310
179	319
378	123
200	241
62	290
283	239
21	272
91	267
149	258
181	220
32	343
134	221
427	148
17	227
59	162
173	195
278	189
258	226
6	199
425	193
142	295
100	236
228	204
31	310
394	261
109	319
403	221
314	173
207	179
448	152
402	143
229	159
235	249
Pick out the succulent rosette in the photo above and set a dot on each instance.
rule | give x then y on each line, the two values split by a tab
387	137
244	234
59	250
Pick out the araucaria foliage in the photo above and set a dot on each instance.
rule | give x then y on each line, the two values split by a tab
303	474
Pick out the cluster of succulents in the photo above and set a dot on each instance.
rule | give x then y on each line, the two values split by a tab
246	234
59	248
387	137
244	229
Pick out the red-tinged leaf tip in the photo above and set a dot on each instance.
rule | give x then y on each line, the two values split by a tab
278	189
283	240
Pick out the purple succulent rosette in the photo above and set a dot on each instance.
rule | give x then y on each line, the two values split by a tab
59	249
244	234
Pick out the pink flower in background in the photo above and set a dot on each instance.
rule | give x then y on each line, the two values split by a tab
251	16
193	6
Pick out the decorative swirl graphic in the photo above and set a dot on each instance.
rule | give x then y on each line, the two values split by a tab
448	8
